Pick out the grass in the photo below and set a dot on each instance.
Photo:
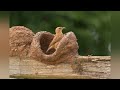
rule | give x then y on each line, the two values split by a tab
29	76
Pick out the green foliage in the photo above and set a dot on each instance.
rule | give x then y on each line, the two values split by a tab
92	28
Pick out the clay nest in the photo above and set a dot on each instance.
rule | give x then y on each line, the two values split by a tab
20	39
66	50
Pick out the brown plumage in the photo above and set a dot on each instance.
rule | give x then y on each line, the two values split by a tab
58	36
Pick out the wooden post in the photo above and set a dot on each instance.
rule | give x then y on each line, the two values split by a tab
93	66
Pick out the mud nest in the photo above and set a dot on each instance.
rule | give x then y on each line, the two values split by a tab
66	50
20	39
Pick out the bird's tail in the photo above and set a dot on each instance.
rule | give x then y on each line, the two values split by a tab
48	49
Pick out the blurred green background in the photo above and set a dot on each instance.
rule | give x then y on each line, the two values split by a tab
92	28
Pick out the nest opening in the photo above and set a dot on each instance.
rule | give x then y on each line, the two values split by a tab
44	43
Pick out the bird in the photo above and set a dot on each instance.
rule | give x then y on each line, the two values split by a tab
57	37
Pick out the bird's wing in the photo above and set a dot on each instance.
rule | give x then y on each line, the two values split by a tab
53	46
56	39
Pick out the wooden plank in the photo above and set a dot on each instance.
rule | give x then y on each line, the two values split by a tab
94	66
